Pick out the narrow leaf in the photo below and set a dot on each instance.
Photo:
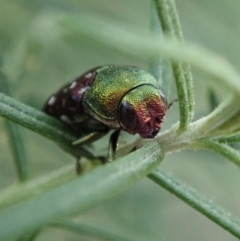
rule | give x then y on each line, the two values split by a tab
200	203
15	138
19	192
93	232
228	139
159	67
224	120
222	149
42	124
80	194
154	63
169	19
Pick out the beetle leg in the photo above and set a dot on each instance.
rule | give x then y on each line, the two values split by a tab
89	138
113	144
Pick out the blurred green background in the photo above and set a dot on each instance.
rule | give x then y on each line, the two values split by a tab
38	60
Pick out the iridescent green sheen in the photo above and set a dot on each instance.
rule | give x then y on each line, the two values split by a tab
109	86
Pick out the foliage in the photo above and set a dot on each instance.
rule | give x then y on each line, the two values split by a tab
33	204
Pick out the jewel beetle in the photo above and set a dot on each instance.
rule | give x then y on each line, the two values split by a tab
110	97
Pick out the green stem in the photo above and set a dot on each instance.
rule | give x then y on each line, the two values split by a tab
198	202
80	194
42	124
159	67
182	95
169	19
15	138
154	63
228	139
220	148
223	120
20	192
93	232
17	150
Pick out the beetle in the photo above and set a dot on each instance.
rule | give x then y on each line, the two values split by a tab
110	97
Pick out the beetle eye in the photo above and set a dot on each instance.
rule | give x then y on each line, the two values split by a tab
127	116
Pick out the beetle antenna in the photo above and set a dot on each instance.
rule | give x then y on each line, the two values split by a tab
172	103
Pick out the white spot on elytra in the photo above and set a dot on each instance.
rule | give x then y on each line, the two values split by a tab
81	91
65	90
65	119
89	75
52	100
74	83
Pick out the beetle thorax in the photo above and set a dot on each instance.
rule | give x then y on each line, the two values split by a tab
111	83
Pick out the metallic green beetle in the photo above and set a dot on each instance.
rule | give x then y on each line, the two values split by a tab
110	97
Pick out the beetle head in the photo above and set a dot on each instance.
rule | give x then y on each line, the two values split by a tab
141	110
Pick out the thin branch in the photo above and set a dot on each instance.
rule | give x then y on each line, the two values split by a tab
19	192
228	139
80	194
15	137
94	232
155	62
198	202
159	67
169	19
220	148
42	124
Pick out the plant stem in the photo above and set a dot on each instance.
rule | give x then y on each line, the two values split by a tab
169	19
154	62
15	138
42	124
198	202
20	192
228	139
80	194
224	120
159	67
220	148
91	231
